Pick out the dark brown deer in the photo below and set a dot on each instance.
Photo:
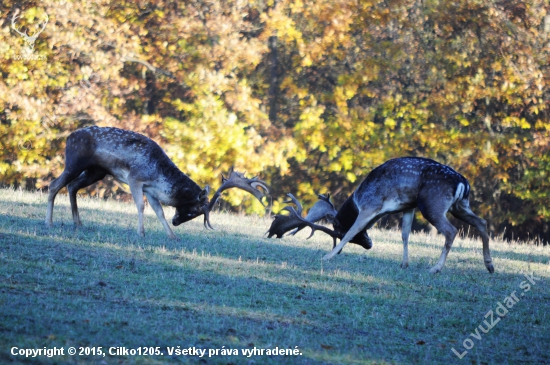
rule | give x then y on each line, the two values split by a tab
399	185
131	158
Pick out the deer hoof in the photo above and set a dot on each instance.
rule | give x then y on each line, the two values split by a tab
404	265
435	270
490	268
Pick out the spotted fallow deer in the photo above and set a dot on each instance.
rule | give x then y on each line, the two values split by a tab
399	185
133	159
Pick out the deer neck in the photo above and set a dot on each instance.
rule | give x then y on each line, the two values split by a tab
179	188
347	214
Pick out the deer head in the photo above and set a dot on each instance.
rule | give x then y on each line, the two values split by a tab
203	206
191	209
322	210
30	40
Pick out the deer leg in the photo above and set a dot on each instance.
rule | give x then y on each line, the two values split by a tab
155	204
363	219
406	226
463	212
136	188
65	178
85	179
435	214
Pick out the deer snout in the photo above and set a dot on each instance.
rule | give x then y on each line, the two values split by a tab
182	217
176	220
363	239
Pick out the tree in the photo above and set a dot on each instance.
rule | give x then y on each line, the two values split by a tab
312	95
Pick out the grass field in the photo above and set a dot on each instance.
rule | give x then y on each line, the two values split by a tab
102	285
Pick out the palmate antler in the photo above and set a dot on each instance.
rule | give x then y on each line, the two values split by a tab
284	223
235	180
323	209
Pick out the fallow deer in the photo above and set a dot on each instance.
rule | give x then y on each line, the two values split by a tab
399	185
133	159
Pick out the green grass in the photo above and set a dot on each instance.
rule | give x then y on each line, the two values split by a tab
103	285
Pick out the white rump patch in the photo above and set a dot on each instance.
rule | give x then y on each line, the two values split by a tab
459	192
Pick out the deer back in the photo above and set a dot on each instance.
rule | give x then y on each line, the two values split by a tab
122	153
397	183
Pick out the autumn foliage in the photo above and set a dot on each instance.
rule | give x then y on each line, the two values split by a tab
312	95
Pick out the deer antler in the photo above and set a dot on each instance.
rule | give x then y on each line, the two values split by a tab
323	209
293	199
284	223
299	221
236	180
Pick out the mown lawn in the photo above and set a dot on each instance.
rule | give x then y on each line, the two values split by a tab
232	288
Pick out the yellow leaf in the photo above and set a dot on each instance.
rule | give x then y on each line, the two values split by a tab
390	123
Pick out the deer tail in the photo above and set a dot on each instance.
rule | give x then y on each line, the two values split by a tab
462	191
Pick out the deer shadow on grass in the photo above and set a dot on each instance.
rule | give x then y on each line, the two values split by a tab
497	251
155	234
358	305
201	241
190	240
